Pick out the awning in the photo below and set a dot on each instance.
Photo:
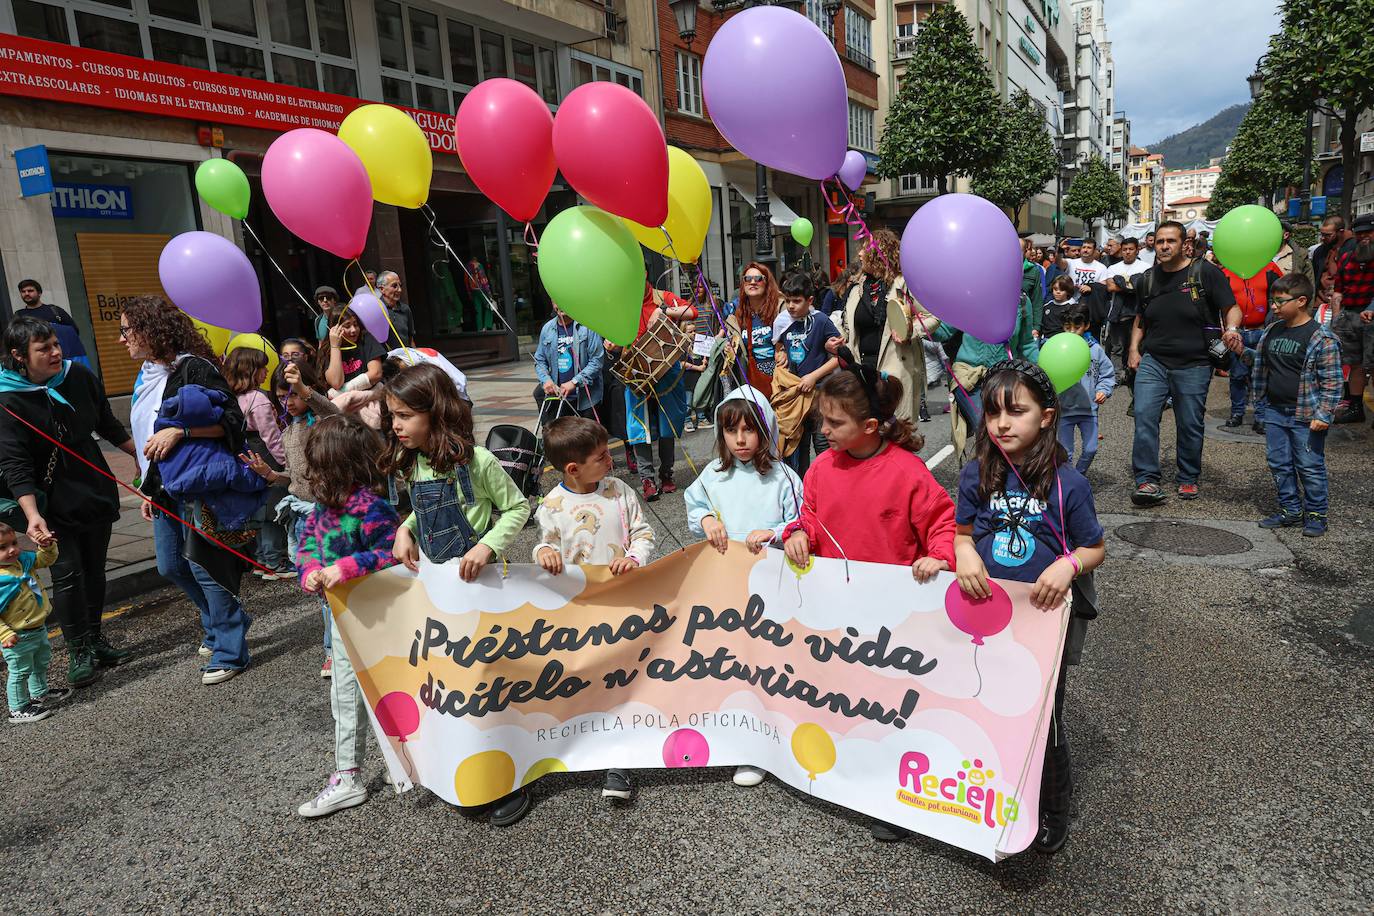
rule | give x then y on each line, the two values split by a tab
780	214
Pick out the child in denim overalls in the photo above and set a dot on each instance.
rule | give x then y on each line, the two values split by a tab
454	487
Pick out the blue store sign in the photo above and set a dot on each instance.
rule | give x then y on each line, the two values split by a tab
93	201
35	175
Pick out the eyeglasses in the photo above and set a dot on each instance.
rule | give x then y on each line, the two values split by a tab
754	278
1278	302
124	330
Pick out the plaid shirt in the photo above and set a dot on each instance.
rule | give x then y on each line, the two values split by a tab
1355	283
1319	386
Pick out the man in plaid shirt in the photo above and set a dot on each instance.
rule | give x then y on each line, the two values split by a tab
1353	298
1297	369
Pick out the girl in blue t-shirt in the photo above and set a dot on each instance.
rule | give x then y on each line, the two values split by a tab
1025	514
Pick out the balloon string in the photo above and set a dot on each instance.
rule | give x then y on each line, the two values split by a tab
852	218
531	240
386	312
485	297
977	671
308	304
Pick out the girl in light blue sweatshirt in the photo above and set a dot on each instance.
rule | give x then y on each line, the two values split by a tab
747	493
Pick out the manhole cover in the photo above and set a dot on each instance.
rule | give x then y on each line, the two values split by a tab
1183	538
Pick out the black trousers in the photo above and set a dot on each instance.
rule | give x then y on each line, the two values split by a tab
1056	776
1119	341
78	579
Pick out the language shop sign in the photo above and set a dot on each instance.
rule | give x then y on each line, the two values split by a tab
61	73
93	201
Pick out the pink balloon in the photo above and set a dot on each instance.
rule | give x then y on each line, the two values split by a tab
505	139
686	747
319	189
209	278
854	169
611	148
371	313
978	617
398	715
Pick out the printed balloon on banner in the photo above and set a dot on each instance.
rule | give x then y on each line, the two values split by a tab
484	777
984	302
208	277
978	617
1065	358
1246	239
854	169
814	749
262	345
394	151
398	715
543	768
217	338
775	89
689	212
319	189
610	147
686	747
505	140
222	185
593	270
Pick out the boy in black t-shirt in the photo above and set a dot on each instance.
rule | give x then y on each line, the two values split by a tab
800	343
1297	367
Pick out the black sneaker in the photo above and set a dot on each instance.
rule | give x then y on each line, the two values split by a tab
106	655
1235	420
1281	520
33	712
1353	413
511	810
1257	427
1148	494
54	696
884	832
618	785
924	414
1314	526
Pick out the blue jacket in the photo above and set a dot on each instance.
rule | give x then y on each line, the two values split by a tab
587	358
205	470
1079	401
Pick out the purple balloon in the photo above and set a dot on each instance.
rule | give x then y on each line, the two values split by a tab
948	231
775	89
371	313
209	278
854	169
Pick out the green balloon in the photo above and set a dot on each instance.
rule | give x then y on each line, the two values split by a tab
803	231
222	185
591	266
1065	358
1246	239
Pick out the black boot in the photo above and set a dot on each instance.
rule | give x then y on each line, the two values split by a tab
1056	789
104	654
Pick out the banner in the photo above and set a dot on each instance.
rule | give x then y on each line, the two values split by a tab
62	73
117	267
848	681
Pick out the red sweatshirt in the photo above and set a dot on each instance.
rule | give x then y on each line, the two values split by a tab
883	509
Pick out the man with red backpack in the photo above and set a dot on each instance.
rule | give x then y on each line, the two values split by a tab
1252	296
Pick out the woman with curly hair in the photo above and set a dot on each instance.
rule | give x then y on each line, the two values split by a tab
175	355
751	317
878	295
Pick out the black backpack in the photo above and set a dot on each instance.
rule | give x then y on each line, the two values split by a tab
1218	357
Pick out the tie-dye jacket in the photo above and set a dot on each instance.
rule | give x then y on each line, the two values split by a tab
357	538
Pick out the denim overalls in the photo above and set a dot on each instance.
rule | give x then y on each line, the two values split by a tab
444	530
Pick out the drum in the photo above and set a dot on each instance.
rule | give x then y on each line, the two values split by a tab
661	347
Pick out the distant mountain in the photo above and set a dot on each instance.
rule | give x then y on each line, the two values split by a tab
1194	147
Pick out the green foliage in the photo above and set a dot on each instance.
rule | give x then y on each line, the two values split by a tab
1305	236
947	117
1096	192
1267	151
1227	195
1027	158
1199	144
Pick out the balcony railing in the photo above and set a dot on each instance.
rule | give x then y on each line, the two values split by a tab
859	57
908	185
903	47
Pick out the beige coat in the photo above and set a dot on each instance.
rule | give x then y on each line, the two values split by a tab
905	361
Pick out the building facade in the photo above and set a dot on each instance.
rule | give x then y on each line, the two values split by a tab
1180	184
129	101
1088	105
1145	185
1120	159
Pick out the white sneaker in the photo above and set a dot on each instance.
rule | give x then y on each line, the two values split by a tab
219	675
344	790
748	776
205	651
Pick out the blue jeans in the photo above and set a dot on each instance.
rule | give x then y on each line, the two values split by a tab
1154	384
27	661
298	520
272	545
1087	432
1240	378
221	615
1296	454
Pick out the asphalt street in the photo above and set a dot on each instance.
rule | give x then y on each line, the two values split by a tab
1220	728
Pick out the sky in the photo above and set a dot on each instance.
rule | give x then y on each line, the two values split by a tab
1178	62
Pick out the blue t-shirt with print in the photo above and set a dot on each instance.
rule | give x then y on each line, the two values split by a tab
1016	535
804	342
566	341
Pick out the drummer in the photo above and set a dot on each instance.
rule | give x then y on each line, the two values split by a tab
662	415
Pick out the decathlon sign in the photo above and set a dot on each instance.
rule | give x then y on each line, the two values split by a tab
93	201
35	175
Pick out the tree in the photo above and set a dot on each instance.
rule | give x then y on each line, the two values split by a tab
1027	159
1266	152
1096	192
1323	58
1227	195
947	116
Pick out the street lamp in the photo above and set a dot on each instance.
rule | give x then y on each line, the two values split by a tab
685	12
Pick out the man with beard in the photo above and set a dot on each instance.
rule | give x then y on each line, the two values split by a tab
1147	254
1352	298
1112	253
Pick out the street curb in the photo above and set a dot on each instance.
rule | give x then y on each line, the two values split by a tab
133	581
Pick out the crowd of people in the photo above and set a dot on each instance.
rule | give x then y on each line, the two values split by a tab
357	454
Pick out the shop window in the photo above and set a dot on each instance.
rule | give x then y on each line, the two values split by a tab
391	35
522	60
239	60
179	48
493	55
462	52
432	98
39	20
331	21
181	10
234	16
396	92
289	23
581	72
340	80
424	44
293	71
101	33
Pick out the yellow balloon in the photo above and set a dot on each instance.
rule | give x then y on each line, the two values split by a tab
543	768
217	337
689	211
813	748
484	777
256	342
394	151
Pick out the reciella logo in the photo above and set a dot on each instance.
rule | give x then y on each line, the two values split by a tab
965	794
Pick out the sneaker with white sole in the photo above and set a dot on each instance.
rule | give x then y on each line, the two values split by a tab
33	712
213	676
344	790
749	776
327	669
54	696
617	785
205	651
